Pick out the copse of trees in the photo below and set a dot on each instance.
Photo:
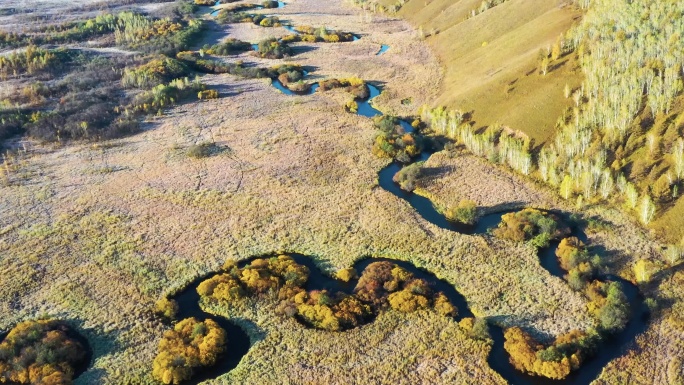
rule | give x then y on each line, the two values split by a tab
408	176
229	46
393	142
383	285
386	285
355	86
496	143
158	70
621	141
531	225
165	36
188	348
464	212
40	352
273	49
33	60
556	360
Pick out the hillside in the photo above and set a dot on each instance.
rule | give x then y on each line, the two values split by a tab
490	60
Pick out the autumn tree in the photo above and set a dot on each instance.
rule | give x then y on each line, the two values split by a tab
40	352
190	346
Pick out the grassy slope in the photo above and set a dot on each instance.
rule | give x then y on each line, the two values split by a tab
478	75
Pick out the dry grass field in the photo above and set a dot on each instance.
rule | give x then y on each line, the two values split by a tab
490	60
96	233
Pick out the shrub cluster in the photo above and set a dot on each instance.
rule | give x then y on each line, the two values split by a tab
269	4
294	81
195	61
608	304
383	285
161	96
393	142
325	311
408	176
190	346
531	225
64	33
355	86
33	60
235	15
156	36
554	361
465	212
312	35
40	352
273	49
159	70
230	46
81	105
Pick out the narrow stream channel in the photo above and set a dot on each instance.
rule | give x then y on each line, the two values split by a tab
498	358
616	345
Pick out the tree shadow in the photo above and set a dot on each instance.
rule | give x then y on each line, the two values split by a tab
432	173
296	50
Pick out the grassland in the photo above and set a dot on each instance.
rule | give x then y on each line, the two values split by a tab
490	60
97	233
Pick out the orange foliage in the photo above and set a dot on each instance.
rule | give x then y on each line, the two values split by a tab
190	345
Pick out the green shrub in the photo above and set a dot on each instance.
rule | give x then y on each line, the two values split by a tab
273	49
157	71
202	150
531	225
464	212
208	94
33	60
407	176
228	47
392	142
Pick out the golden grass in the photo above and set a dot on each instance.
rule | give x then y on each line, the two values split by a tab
420	347
490	60
670	225
295	175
